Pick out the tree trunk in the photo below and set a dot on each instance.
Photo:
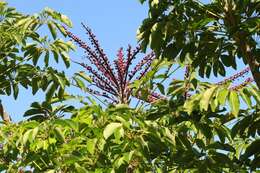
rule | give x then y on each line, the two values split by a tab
6	118
246	50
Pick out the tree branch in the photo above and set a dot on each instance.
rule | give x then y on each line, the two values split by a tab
246	50
4	115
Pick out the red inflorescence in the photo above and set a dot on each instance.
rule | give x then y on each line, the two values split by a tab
242	85
113	81
234	77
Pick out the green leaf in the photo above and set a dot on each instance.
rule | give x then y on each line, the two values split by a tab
59	134
44	83
110	129
30	124
66	59
34	133
61	93
214	104
200	143
255	163
55	55
161	88
252	149
254	92
222	159
142	1
71	159
8	89
15	90
91	144
121	107
80	169
61	29
51	27
46	58
156	38
36	55
51	92
201	23
66	20
80	83
222	133
246	97
35	86
170	52
155	2
119	133
222	95
192	103
84	76
205	129
227	60
205	99
240	127
26	136
32	112
59	80
221	146
234	103
67	123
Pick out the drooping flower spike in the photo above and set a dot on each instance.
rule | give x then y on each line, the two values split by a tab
235	76
230	79
242	85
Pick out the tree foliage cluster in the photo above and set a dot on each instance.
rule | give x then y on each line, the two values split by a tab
211	35
194	126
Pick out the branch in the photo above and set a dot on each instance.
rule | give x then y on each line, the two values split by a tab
4	115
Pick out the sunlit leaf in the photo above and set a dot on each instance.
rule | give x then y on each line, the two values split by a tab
110	129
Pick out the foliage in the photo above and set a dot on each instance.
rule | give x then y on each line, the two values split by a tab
211	35
22	47
198	134
48	110
165	138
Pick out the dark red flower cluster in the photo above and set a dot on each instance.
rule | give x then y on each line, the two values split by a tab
187	84
144	64
154	97
234	77
240	74
242	85
113	80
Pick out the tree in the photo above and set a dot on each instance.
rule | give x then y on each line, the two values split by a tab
172	135
197	127
22	47
211	35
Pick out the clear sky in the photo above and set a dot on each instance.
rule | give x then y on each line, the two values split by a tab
114	22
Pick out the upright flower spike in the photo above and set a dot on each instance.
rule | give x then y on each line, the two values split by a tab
113	81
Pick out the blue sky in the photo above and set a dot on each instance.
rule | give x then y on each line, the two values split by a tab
114	22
